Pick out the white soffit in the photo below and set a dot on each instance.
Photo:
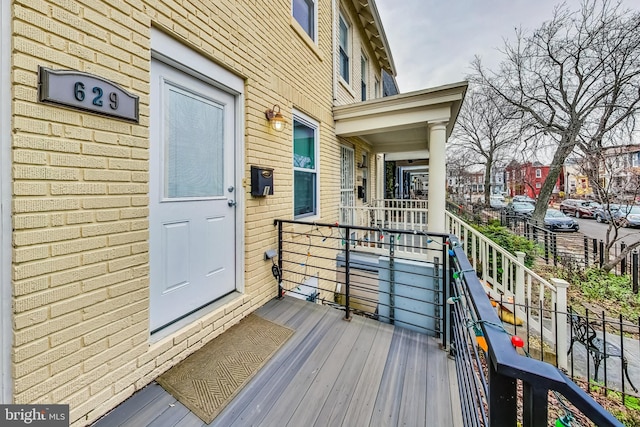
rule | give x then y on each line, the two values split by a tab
400	122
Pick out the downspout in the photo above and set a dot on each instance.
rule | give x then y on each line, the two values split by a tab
334	45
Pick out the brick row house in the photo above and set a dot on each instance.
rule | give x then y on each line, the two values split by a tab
133	230
525	178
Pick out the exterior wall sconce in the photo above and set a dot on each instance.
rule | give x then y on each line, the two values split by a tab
275	118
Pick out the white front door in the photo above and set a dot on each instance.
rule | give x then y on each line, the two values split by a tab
192	194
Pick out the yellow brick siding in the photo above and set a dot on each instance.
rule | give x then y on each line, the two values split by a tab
80	206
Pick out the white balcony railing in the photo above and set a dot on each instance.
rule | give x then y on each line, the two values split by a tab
507	279
505	275
396	214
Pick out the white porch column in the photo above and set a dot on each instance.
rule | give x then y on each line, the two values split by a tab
437	177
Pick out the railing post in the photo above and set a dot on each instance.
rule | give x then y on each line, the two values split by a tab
347	272
535	407
594	241
623	262
561	305
634	272
392	279
601	252
546	247
519	285
503	408
586	252
280	290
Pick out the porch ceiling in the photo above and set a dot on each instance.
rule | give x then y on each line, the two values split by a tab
400	123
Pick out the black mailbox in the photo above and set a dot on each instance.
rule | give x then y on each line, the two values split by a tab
261	181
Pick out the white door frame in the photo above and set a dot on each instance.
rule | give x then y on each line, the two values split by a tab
6	342
180	56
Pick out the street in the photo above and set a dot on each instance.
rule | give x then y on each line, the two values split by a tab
593	229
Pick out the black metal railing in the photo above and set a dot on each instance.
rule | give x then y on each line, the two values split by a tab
491	398
436	291
368	271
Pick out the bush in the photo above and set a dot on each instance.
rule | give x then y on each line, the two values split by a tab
503	237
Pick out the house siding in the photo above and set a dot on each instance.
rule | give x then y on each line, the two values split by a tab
80	262
351	92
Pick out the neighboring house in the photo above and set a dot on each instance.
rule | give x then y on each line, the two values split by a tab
132	233
619	172
497	180
525	178
573	180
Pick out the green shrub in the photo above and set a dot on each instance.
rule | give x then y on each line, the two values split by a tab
504	238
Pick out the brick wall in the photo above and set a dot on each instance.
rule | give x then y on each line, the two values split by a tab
80	183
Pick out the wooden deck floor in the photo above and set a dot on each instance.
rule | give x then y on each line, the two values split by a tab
330	373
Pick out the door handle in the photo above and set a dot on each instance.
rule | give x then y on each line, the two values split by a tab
232	203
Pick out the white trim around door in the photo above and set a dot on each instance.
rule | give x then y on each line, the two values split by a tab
191	64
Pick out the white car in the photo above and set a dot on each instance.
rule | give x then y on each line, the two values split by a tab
497	202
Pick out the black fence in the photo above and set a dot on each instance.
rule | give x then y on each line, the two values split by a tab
438	294
490	367
572	250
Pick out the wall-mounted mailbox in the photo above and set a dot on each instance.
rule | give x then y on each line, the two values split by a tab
261	181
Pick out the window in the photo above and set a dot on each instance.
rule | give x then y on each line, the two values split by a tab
363	77
344	49
538	185
305	168
538	173
304	11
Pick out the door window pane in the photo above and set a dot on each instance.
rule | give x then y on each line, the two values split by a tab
194	134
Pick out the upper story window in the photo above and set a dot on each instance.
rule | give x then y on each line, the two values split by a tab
538	173
364	67
304	11
305	166
344	48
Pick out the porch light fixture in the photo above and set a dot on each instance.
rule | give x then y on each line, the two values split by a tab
275	118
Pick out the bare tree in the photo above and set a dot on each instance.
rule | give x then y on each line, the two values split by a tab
485	128
575	79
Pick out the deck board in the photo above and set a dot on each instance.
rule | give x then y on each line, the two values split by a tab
331	372
363	401
337	403
316	392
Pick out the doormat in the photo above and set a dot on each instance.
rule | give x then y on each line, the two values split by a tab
206	381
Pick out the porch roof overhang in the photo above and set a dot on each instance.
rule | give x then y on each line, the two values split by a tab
400	123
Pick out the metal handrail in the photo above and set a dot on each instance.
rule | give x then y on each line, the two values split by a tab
506	365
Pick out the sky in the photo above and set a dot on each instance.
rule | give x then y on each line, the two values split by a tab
434	41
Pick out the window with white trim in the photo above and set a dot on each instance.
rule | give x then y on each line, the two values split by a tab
304	11
305	166
343	43
538	173
364	65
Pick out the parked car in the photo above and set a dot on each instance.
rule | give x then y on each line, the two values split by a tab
603	213
496	201
627	216
579	208
521	198
521	209
555	220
